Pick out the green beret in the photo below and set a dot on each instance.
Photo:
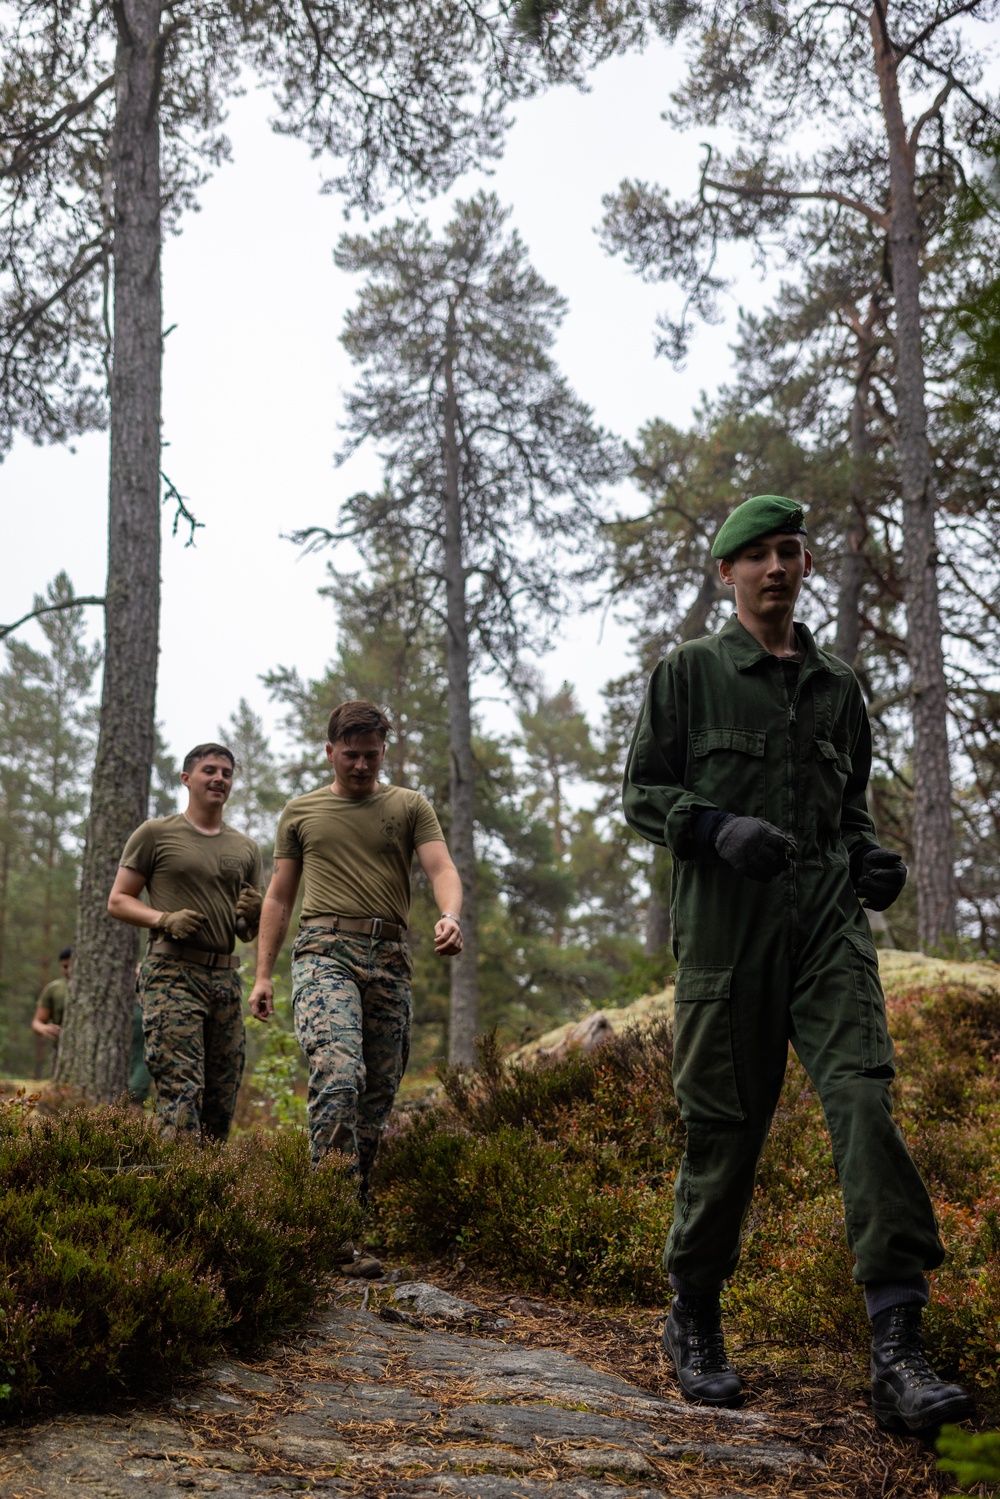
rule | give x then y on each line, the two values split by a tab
762	516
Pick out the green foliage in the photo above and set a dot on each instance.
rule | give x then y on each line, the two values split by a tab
46	751
279	1073
127	1261
552	1176
973	1457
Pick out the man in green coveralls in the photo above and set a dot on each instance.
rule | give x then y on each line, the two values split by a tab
750	762
201	876
354	842
48	1017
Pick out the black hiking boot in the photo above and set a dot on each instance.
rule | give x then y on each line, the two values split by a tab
692	1335
907	1395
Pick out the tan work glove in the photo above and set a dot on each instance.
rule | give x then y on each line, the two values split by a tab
180	924
248	906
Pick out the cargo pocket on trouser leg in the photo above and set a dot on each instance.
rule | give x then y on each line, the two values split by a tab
706	1074
876	1047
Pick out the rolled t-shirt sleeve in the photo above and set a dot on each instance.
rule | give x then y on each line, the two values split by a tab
426	828
287	842
139	852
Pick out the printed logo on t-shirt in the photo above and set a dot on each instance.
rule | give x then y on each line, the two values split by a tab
390	833
231	864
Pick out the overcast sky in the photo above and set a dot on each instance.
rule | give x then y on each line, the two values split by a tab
254	375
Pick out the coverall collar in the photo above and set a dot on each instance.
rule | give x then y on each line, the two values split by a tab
746	651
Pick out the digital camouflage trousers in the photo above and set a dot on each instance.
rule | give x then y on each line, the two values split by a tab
352	1006
192	1023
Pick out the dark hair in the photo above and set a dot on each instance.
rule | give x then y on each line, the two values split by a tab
202	752
349	720
65	953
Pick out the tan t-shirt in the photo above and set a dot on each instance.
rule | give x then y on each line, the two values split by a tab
190	871
356	855
53	999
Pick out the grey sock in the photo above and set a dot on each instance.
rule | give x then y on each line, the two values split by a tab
880	1295
688	1288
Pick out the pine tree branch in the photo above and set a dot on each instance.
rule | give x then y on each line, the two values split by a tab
789	195
933	109
40	137
6	630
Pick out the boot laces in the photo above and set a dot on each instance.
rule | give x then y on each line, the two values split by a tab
709	1349
904	1351
706	1341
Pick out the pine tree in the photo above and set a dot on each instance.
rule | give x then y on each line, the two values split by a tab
46	754
493	468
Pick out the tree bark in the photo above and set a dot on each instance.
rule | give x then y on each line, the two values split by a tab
847	640
658	930
932	813
464	1016
693	626
95	1044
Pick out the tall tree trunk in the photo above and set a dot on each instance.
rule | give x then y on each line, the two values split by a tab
95	1045
932	813
658	929
42	1047
464	1015
852	564
693	626
4	897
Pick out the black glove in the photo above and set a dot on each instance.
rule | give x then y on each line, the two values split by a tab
878	876
754	847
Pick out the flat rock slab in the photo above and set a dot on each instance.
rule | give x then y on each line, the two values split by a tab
359	1405
431	1302
490	1486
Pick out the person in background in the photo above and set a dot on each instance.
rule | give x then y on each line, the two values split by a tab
48	1016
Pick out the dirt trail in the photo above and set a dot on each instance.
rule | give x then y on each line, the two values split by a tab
407	1392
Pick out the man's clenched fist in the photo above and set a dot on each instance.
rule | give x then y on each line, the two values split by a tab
179	924
755	848
878	876
248	907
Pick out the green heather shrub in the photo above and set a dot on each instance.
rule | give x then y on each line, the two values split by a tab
126	1261
558	1178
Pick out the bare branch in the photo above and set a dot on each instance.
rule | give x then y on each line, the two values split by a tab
182	513
816	194
930	113
6	630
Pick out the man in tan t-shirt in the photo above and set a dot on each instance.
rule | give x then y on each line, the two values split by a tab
354	842
201	877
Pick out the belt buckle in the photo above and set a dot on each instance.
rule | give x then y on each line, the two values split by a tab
376	927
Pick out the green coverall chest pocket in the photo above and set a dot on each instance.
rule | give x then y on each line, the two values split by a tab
826	790
728	769
706	1046
875	1046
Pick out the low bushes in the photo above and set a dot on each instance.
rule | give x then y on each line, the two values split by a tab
126	1261
559	1178
555	1176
